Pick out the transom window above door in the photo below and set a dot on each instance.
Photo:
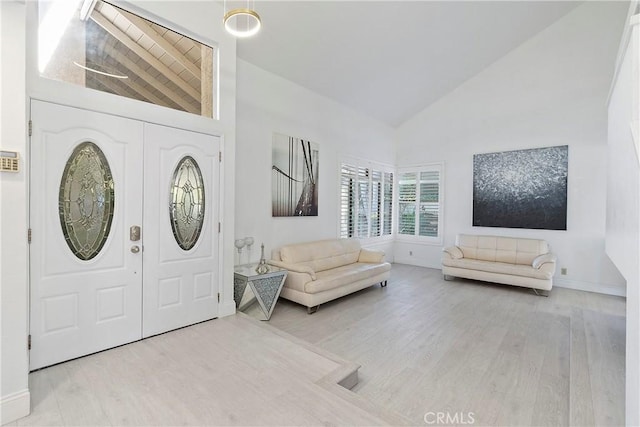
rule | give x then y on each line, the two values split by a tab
96	45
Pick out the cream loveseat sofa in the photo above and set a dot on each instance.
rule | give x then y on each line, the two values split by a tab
328	269
511	261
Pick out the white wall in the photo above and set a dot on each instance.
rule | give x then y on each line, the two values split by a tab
623	210
623	203
14	390
268	103
550	91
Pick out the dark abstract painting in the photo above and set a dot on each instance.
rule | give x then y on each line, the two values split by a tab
521	189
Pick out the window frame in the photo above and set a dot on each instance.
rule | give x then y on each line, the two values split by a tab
373	167
416	238
71	95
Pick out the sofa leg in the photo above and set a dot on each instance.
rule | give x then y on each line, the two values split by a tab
540	292
383	284
311	310
446	277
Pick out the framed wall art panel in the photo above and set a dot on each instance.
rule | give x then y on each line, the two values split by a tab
294	177
521	189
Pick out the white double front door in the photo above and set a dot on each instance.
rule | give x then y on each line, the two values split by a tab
123	216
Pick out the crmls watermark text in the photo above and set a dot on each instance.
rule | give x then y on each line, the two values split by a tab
448	418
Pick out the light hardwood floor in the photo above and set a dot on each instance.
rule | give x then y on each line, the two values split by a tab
426	346
230	371
502	353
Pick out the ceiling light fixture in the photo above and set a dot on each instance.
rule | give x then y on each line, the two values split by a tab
242	22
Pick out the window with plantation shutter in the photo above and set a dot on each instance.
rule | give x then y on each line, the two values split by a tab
420	202
366	200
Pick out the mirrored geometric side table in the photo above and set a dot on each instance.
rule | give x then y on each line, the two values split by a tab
257	294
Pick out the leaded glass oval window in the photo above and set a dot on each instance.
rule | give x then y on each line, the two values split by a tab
186	207
86	201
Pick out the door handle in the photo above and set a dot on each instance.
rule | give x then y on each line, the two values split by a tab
135	249
134	233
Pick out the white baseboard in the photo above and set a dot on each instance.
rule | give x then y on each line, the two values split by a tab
15	406
226	308
598	288
416	262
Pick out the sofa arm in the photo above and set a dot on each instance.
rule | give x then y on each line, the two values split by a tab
371	256
540	260
298	268
453	252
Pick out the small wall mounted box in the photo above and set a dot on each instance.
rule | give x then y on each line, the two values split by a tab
9	161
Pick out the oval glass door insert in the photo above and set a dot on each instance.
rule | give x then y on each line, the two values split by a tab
186	206
86	201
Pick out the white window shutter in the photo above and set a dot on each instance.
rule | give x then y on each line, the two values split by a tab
376	203
407	203
429	203
366	201
387	210
347	200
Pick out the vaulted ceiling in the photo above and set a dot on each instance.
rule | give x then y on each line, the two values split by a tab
391	59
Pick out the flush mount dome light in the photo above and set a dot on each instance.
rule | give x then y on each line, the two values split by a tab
242	22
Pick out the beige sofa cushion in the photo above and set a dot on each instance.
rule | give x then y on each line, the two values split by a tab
501	249
499	267
341	276
323	255
371	256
